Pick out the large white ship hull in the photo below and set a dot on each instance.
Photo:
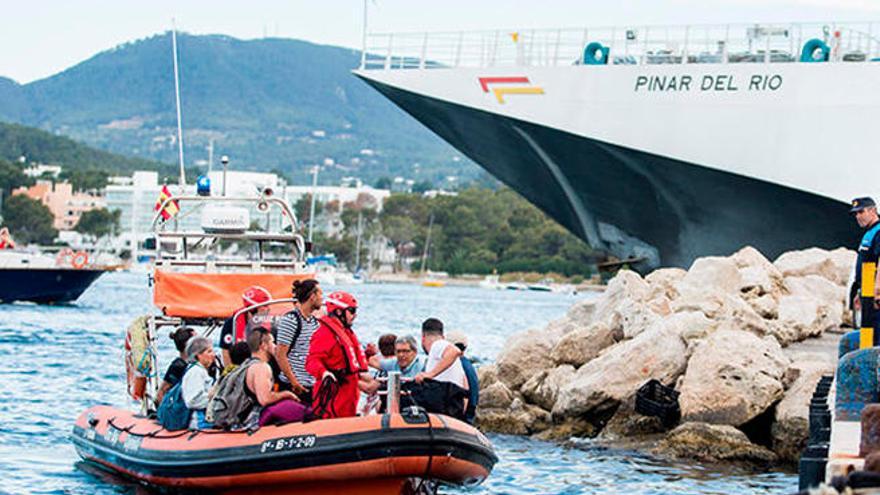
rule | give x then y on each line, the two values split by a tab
666	162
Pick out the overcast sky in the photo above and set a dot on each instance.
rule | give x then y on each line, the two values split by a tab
39	38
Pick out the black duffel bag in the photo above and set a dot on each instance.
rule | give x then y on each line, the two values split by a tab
436	397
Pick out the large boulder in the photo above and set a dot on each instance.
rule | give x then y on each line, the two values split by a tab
662	282
620	370
813	261
496	395
720	306
627	423
487	374
713	443
581	313
542	388
767	306
716	272
819	287
801	316
844	262
517	419
529	353
581	346
732	377
791	427
758	277
689	325
624	305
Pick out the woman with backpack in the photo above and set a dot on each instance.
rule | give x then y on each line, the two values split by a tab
198	380
178	366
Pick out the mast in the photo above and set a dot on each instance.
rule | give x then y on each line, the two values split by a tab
177	99
364	39
427	243
312	207
210	156
357	249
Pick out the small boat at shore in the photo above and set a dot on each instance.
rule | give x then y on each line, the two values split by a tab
386	454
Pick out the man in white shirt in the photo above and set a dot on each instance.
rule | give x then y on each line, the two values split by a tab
443	364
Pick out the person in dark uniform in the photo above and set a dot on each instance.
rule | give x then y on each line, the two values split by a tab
867	278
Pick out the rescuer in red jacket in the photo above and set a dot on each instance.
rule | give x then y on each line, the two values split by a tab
337	361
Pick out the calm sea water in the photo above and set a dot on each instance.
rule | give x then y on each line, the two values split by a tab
57	361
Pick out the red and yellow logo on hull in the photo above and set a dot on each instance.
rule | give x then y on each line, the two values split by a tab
509	86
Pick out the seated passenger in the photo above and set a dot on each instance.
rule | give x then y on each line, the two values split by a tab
239	353
295	330
274	407
177	367
198	380
386	345
372	403
246	321
443	364
337	361
407	362
442	387
460	340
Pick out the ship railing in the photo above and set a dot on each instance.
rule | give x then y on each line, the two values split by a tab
638	45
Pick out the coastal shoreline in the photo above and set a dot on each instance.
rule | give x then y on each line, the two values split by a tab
740	340
469	281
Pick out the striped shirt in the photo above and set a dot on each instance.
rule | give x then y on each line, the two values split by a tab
298	351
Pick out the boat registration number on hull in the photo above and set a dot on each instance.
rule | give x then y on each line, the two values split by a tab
289	443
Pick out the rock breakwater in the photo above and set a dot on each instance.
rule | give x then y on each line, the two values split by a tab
721	333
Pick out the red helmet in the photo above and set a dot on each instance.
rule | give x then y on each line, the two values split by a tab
340	300
255	295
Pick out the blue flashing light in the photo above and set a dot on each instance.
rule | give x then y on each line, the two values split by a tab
203	185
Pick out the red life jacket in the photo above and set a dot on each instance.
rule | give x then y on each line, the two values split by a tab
355	361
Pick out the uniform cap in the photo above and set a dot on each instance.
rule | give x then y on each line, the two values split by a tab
860	204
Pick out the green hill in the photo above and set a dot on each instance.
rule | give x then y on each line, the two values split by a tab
268	103
43	147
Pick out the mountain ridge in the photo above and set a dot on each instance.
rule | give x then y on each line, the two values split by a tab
268	103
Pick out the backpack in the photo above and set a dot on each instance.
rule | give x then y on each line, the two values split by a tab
299	327
436	397
231	401
173	413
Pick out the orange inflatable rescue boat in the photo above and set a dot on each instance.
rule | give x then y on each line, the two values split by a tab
390	453
406	451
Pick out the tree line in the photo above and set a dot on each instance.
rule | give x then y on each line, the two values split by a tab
30	221
478	231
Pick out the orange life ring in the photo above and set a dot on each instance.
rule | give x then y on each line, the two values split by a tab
80	259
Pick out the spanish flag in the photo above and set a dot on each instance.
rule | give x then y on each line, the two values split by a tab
171	208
